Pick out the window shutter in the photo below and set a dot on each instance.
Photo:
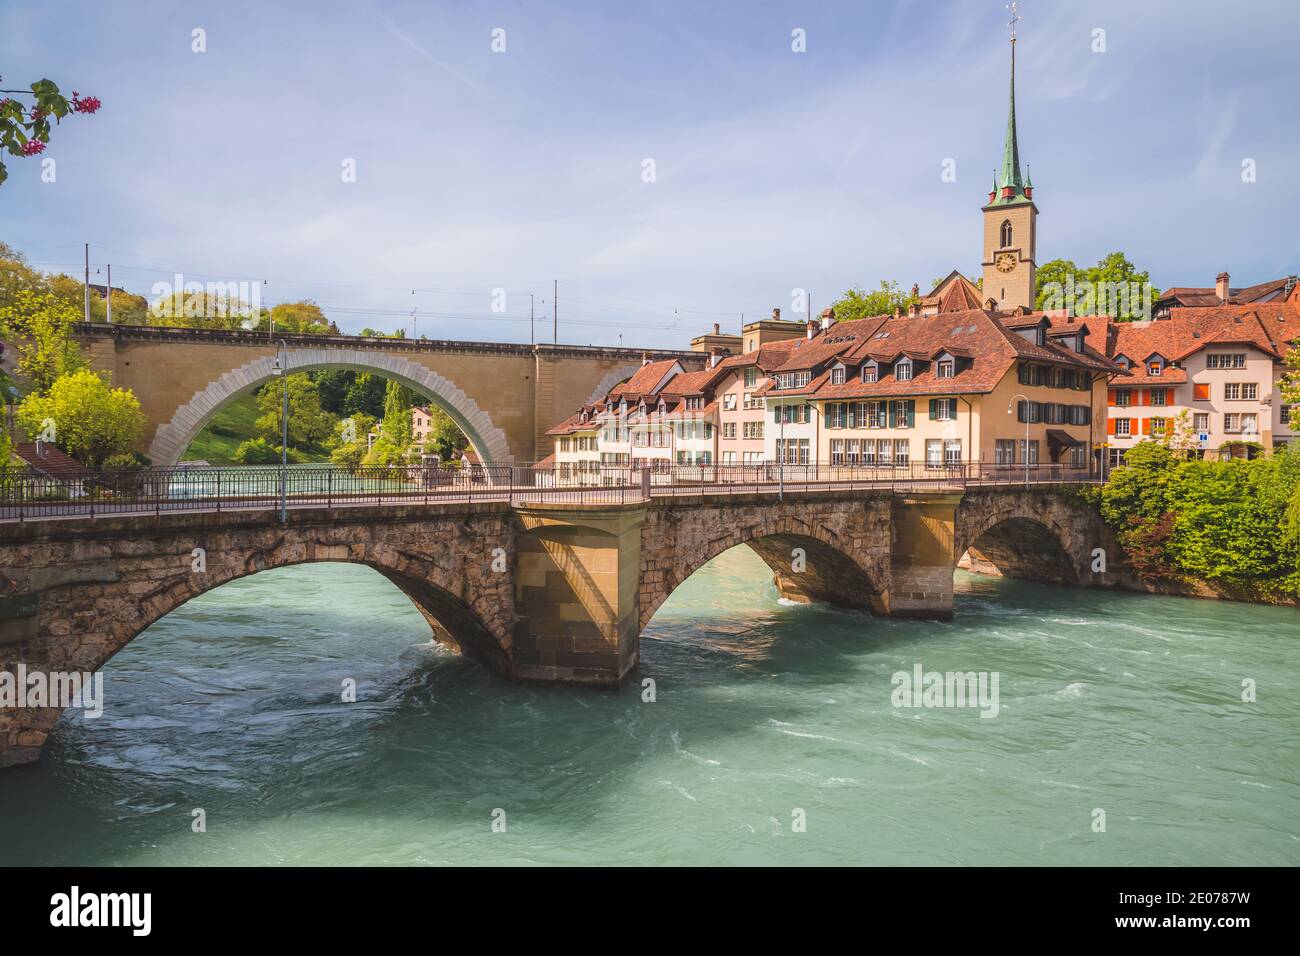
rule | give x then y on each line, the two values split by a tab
911	413
1146	426
934	409
1110	426
776	414
1110	397
1201	392
853	417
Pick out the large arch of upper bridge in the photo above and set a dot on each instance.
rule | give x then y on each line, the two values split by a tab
173	436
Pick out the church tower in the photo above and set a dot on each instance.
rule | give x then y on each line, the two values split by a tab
1010	227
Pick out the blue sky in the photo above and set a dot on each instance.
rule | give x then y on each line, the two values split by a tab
774	170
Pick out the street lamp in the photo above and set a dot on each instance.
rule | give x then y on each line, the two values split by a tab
281	369
1010	405
11	402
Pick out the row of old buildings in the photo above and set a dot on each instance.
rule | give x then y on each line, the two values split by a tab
969	373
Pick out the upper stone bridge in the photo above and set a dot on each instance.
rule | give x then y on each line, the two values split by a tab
502	396
538	592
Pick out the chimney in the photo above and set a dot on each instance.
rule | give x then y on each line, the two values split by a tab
916	291
776	315
715	356
1221	286
717	328
898	311
645	359
812	327
828	318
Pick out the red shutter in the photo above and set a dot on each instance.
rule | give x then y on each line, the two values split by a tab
1110	397
1110	426
1201	393
1146	426
1144	397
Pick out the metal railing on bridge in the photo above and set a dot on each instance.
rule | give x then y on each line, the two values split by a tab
27	496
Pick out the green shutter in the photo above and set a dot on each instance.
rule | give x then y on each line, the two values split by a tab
934	409
911	412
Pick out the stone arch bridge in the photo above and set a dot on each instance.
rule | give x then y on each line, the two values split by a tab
546	592
503	396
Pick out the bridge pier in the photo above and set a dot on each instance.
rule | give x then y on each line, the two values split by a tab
921	555
576	587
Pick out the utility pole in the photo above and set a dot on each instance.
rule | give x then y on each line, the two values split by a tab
532	336
555	313
87	282
109	297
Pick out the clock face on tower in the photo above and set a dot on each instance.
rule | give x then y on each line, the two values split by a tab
1005	262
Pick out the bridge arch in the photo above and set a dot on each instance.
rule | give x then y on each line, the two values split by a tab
1028	535
92	595
832	567
174	436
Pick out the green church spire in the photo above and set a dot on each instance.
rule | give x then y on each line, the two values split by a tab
1008	185
1011	151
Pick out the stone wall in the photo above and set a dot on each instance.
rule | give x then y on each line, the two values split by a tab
845	539
557	592
504	396
92	586
1039	534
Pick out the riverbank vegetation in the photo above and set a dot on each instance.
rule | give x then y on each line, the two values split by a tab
1234	523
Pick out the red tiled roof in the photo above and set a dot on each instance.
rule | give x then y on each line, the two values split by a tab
1187	331
840	338
644	379
50	461
981	339
1203	297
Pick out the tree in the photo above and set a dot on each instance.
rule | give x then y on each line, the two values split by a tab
446	440
1180	435
25	130
201	309
91	420
1290	383
1060	283
398	400
41	323
351	441
860	304
365	395
309	424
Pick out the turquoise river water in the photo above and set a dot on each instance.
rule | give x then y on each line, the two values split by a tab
764	716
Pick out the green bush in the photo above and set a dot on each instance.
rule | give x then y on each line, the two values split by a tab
1232	522
257	451
125	461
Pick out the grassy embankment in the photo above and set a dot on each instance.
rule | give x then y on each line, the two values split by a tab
235	423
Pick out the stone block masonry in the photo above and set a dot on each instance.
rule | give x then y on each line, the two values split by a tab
551	593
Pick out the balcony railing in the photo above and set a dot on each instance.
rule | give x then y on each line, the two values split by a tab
27	496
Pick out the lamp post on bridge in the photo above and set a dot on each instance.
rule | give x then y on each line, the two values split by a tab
1010	405
281	369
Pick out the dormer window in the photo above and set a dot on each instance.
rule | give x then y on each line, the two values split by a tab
944	368
903	370
869	372
1154	368
837	375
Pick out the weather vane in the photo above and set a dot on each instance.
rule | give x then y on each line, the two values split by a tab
1015	18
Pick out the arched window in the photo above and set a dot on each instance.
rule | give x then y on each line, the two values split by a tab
1006	233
